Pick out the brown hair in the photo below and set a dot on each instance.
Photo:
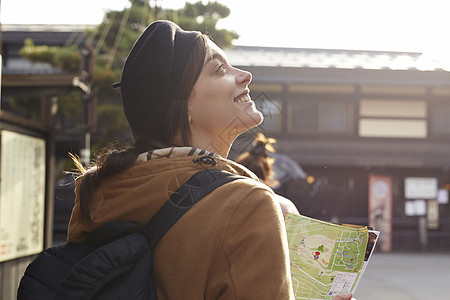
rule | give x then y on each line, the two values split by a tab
118	157
257	160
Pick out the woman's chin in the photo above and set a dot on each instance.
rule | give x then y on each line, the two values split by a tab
253	120
257	117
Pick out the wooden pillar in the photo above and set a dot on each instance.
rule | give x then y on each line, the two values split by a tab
50	108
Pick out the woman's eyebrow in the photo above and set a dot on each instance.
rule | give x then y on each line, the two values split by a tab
217	56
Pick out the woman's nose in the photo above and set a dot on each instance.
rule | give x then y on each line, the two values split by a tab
243	77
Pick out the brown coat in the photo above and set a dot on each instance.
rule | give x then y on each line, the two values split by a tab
230	245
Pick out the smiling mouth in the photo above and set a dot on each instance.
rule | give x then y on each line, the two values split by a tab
243	99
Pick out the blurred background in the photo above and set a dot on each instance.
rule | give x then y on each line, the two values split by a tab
356	93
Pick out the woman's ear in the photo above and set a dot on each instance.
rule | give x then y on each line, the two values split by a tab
189	119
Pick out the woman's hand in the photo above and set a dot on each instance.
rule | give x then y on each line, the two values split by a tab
344	297
287	206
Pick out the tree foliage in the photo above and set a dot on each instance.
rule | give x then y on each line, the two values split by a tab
65	58
111	42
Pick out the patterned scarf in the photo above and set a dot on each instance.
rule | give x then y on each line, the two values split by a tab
172	152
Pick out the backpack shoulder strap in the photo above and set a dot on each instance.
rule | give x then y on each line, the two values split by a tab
197	187
128	258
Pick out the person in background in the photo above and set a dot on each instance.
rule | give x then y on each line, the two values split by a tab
179	95
258	161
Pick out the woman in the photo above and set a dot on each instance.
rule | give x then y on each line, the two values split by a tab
185	105
258	161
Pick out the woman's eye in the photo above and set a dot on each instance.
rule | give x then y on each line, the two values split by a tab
221	67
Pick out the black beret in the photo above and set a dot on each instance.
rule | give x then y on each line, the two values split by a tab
151	74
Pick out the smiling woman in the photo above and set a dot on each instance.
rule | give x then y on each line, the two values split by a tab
185	105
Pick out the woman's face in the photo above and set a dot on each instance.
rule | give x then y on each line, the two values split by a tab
220	107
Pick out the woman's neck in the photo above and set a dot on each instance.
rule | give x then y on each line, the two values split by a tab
218	145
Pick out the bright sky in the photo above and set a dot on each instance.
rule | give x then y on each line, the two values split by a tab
396	25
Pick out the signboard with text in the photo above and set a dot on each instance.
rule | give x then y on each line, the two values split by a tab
22	195
421	188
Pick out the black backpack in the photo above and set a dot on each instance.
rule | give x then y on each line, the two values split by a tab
116	262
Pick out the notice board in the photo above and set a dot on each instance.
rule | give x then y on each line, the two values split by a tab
22	195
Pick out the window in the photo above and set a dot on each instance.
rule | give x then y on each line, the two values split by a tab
272	111
303	116
440	119
335	117
322	116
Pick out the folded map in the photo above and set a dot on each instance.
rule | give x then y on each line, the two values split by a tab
327	259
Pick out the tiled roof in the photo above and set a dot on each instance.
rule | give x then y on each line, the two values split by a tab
46	27
329	58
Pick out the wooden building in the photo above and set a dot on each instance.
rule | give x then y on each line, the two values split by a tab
348	116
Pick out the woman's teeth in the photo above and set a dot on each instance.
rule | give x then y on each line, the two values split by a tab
245	98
